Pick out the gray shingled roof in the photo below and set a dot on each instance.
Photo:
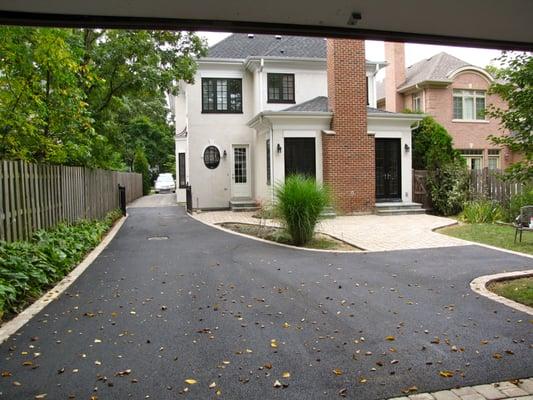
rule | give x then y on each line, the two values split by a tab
241	46
435	69
320	104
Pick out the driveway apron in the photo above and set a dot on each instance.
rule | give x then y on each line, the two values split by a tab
172	299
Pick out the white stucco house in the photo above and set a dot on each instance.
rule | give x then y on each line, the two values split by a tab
258	111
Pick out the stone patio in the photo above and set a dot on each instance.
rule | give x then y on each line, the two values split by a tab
368	232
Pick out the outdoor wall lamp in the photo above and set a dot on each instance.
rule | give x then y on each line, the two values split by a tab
224	154
406	147
279	148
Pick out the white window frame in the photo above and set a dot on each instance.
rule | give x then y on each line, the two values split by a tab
474	95
416	102
469	155
493	156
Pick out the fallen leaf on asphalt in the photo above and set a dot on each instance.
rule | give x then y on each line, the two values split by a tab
226	362
274	343
277	384
286	374
191	381
123	373
27	363
435	340
342	392
212	385
446	374
497	356
337	371
268	366
410	389
510	352
17	383
40	396
362	380
390	338
484	342
97	341
286	325
6	374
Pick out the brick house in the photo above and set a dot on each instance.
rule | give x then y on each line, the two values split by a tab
263	107
454	92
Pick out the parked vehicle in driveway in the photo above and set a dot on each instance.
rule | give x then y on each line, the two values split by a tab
165	184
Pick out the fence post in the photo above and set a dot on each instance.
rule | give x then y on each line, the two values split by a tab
122	198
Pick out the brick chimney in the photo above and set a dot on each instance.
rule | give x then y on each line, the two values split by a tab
394	76
348	155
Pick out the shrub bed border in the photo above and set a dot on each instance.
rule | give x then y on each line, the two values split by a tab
13	325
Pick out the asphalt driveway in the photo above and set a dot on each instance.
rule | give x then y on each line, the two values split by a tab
213	307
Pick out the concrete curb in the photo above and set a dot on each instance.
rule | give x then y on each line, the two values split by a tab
479	285
10	327
288	246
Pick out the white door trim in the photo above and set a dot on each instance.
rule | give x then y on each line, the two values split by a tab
241	189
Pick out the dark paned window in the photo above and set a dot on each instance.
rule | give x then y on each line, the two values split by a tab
211	157
221	95
181	171
280	88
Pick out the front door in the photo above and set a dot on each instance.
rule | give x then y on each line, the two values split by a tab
388	170
300	157
240	174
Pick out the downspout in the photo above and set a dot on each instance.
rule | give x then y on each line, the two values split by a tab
261	66
272	180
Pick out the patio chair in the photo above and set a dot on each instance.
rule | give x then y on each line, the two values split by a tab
522	222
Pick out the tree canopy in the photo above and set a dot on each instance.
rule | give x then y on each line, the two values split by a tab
432	145
514	84
91	97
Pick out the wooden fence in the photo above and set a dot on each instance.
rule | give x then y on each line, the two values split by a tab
488	184
484	184
36	196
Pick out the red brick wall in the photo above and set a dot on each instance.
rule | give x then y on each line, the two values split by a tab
348	156
467	135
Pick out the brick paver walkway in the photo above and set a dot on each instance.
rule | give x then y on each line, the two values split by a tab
521	389
368	232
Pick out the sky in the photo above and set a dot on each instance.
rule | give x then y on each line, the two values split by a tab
413	52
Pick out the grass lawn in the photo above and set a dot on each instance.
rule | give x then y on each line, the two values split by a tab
519	290
492	234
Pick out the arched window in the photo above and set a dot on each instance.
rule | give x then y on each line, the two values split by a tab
211	157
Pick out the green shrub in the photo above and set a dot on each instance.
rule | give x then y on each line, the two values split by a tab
27	268
481	212
140	165
448	187
517	201
300	201
432	145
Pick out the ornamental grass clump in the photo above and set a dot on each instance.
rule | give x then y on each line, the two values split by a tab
481	212
300	201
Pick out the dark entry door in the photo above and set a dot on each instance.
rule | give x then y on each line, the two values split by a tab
388	170
300	156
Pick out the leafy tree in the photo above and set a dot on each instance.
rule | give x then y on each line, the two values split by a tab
140	165
42	107
91	96
432	145
514	84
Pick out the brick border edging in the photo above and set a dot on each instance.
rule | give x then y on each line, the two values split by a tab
12	326
479	285
513	389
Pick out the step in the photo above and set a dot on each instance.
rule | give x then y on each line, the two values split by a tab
328	213
401	212
243	204
399	208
